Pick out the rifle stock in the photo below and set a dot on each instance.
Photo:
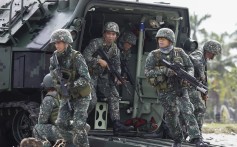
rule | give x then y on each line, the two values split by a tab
185	76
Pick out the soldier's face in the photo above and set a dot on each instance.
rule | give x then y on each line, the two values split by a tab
60	46
110	37
126	46
163	42
209	55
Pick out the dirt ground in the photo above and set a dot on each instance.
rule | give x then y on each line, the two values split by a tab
225	140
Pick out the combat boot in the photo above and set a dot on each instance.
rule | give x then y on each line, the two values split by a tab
198	142
177	144
120	127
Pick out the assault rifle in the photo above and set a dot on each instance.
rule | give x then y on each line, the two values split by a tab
127	72
125	69
111	68
185	76
63	85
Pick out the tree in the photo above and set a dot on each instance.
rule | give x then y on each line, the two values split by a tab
195	24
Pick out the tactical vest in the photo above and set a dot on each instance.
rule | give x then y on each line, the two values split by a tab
70	75
161	82
54	113
110	51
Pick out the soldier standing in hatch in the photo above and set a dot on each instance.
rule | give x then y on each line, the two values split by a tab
75	72
45	129
172	92
125	43
98	69
199	59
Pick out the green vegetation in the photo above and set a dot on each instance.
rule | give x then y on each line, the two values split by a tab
222	71
219	128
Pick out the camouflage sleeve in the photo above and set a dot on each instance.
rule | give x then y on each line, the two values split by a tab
198	62
52	65
150	67
82	69
46	109
89	52
188	65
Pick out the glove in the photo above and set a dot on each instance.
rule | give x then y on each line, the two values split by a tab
204	97
169	72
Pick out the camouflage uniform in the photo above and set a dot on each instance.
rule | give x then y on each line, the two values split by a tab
172	93
200	63
125	54
45	129
131	39
75	71
98	73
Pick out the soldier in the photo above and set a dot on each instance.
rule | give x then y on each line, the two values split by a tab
199	59
98	70
172	92
77	94
125	43
45	129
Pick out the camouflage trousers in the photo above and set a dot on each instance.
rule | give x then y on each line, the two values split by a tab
51	133
199	107
113	99
75	120
175	105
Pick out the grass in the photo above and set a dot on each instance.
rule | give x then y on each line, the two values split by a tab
219	128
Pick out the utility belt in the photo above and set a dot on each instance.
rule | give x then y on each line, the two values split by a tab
76	92
168	87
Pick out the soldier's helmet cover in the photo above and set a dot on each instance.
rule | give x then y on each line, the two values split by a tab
129	37
61	35
111	26
47	81
166	33
213	46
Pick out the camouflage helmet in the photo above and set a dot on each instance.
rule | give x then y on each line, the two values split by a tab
47	81
111	26
61	35
129	37
212	46
166	33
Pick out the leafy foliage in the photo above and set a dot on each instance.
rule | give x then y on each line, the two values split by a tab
222	71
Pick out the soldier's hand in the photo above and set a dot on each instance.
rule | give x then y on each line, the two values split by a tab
102	63
204	97
117	81
169	72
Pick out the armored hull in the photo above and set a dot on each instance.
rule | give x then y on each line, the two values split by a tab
25	28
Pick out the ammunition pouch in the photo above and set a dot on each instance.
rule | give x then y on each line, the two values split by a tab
159	83
54	115
80	91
